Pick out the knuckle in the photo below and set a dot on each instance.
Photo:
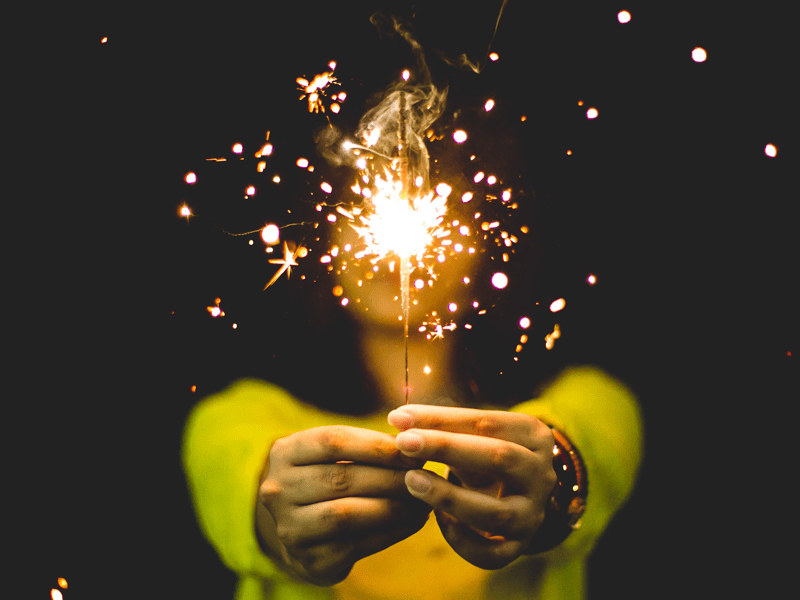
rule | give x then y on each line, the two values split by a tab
503	520
338	516
339	477
333	439
268	491
502	458
486	426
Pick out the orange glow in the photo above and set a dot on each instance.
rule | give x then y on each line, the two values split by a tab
557	305
190	178
406	75
591	279
104	40
623	16
250	191
277	179
523	118
302	163
580	102
489	105
494	56
591	113
326	187
56	594
524	322
452	307
478	177
62	583
569	152
338	290
237	148
699	55
184	211
500	280
261	166
335	108
771	150
460	136
193	388
270	234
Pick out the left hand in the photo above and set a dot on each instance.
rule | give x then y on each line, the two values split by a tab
505	464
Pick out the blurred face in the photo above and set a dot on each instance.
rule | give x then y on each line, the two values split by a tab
374	290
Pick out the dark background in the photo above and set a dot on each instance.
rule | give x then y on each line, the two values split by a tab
668	197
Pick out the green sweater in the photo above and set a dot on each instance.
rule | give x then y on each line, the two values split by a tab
228	436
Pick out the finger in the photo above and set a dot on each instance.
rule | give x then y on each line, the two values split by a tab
512	517
517	428
318	483
492	552
327	521
512	463
340	442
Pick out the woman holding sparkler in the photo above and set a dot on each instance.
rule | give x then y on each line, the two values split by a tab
304	503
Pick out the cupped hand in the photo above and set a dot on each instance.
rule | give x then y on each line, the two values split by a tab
503	463
335	495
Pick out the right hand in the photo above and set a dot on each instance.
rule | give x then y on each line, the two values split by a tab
334	495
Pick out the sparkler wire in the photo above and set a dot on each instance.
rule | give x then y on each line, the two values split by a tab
405	274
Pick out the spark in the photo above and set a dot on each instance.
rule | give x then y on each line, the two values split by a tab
771	150
287	262
460	136
270	234
550	338
524	322
190	178
494	56
56	594
699	55
489	105
302	163
558	305
623	16
591	279
592	113
500	280
215	310
315	90
237	148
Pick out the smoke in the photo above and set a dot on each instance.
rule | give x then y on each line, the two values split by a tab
415	105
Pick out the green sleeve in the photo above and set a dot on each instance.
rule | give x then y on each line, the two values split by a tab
602	419
225	445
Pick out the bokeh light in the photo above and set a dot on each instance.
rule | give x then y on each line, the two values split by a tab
237	148
592	113
500	280
460	136
271	234
699	55
623	16
190	177
557	305
771	150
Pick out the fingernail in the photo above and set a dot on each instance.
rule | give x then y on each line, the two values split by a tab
400	419
418	482
409	442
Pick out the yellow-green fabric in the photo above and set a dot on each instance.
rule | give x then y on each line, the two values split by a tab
228	436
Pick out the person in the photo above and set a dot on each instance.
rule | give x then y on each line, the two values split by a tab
306	503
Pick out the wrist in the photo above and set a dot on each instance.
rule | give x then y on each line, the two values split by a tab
568	500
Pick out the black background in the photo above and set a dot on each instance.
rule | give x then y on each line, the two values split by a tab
668	197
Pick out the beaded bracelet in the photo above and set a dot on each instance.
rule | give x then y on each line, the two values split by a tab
568	502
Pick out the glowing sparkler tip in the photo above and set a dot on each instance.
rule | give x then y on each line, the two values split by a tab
237	148
489	105
190	178
184	211
62	583
494	56
406	74
623	16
